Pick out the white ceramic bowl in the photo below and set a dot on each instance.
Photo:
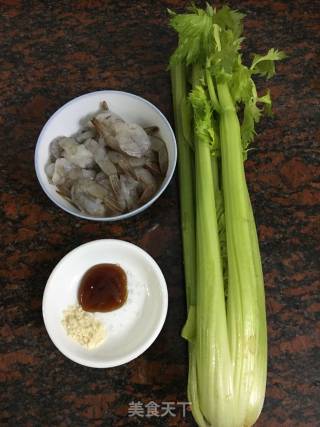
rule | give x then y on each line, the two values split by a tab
67	121
132	328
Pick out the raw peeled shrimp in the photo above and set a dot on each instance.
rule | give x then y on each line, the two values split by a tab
65	174
62	167
114	201
92	198
119	135
135	162
127	163
55	149
85	134
85	201
158	145
123	162
153	167
49	170
163	160
76	153
151	130
105	124
109	166
149	184
103	161
133	140
78	173
130	189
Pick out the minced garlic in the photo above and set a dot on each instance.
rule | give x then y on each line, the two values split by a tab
83	327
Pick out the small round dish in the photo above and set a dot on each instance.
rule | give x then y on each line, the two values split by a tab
131	329
68	120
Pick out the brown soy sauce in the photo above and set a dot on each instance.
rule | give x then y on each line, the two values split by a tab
103	288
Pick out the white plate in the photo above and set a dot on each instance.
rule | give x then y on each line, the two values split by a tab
132	328
69	119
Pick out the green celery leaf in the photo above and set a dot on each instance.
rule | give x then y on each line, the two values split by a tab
229	50
202	109
266	100
195	36
241	83
229	19
227	29
264	64
251	115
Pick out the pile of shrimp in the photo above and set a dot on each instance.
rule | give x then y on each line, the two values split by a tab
109	167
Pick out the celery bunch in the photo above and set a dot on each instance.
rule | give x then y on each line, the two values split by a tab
226	323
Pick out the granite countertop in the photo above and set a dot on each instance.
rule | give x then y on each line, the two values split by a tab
52	52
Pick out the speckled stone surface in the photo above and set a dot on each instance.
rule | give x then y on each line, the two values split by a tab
54	51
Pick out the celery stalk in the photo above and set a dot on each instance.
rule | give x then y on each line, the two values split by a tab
186	179
226	323
212	348
186	176
246	312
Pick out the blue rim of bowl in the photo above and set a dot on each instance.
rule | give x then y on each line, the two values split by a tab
142	348
118	217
